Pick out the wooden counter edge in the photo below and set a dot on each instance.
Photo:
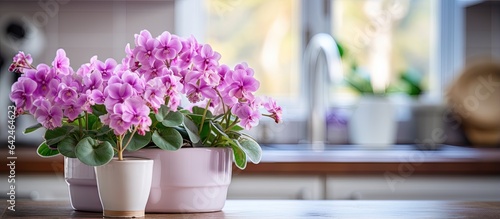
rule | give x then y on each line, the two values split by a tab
29	162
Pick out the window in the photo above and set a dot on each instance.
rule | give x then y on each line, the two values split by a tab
386	38
423	36
263	33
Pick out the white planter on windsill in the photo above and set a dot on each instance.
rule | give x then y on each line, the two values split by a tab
82	186
189	179
124	186
373	123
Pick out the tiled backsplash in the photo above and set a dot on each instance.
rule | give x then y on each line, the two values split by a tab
87	28
82	28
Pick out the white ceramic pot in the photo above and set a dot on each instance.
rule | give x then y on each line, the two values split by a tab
124	186
82	186
373	123
189	179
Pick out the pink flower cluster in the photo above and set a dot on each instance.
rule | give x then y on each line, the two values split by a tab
156	71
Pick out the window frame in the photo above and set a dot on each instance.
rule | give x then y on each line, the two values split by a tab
316	18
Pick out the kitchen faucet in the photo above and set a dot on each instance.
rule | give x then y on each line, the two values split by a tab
321	51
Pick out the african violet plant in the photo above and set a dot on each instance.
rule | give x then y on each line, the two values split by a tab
103	108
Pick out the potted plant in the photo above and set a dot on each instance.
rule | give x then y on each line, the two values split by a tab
103	108
374	121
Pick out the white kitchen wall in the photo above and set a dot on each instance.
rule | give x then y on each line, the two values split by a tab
84	28
482	31
87	28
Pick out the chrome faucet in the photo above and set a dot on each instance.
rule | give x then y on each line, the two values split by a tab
321	45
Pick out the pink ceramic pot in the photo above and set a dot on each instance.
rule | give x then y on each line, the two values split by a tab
188	180
82	185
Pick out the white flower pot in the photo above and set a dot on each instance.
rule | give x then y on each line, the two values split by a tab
189	179
124	186
82	186
373	123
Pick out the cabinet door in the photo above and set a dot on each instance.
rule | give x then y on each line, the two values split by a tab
276	187
380	187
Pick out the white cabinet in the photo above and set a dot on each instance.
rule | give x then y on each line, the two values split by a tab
368	187
378	187
277	187
37	187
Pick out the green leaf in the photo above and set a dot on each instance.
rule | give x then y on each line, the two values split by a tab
94	121
32	128
44	151
67	147
138	141
111	138
173	119
99	110
192	130
237	128
251	148
94	153
184	111
196	118
54	136
167	139
205	130
239	156
341	49
217	128
162	113
182	131
234	135
200	111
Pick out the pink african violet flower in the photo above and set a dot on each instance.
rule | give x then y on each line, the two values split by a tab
190	45
223	70
47	115
133	80
169	46
93	81
21	93
43	75
144	125
145	47
249	116
173	87
117	123
129	61
135	111
206	59
241	85
97	97
211	77
272	107
117	93
67	94
199	91
244	66
20	62
189	49
75	108
106	68
61	63
154	94
156	72
156	69
189	77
